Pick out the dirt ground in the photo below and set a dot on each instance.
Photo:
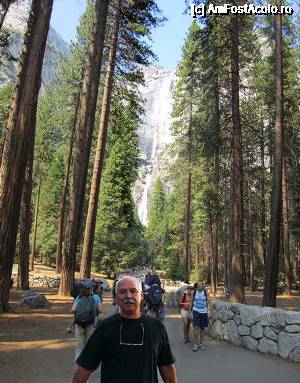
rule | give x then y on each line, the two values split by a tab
34	346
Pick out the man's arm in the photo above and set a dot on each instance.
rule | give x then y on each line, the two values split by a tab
168	373
81	375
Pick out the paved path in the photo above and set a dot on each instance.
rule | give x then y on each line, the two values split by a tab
222	362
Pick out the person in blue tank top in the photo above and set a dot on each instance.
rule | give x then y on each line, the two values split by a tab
200	308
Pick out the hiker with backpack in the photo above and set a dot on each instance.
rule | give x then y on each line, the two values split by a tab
154	299
200	307
152	279
86	308
186	312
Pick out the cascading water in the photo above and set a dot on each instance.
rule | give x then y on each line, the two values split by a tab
154	134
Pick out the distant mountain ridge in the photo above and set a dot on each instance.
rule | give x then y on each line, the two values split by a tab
16	23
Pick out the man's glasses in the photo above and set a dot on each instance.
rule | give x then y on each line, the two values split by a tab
132	335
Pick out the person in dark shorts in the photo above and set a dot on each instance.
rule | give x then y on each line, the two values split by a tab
130	346
200	308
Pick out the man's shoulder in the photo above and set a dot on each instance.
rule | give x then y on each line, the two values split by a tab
153	323
107	324
115	318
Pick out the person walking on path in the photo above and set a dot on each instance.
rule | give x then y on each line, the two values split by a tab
86	308
130	346
186	313
200	306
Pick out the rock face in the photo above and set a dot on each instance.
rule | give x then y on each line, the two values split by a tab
16	23
154	134
267	330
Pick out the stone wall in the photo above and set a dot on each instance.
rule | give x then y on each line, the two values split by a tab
53	282
268	330
41	281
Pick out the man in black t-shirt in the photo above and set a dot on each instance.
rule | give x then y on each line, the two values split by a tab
129	345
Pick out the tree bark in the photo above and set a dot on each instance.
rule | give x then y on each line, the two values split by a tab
86	259
62	209
88	104
262	224
25	226
251	250
236	285
215	220
285	223
226	283
213	274
270	283
20	134
35	226
187	223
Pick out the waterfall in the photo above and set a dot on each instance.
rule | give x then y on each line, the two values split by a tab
154	134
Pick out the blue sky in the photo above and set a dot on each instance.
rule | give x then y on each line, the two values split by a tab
167	40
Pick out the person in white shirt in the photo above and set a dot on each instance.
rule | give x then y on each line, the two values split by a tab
200	308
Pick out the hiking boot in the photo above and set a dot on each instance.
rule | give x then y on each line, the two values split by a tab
195	348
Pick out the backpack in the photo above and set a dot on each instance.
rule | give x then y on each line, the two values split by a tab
86	311
155	294
152	279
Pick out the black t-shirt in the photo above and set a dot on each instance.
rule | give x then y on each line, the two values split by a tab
130	350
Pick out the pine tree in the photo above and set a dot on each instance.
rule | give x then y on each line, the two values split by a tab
20	135
118	239
270	286
84	137
86	260
155	231
128	51
186	106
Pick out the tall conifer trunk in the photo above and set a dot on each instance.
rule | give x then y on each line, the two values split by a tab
86	260
285	224
187	220
236	277
270	283
19	137
25	226
187	224
35	226
62	208
83	146
262	215
215	221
